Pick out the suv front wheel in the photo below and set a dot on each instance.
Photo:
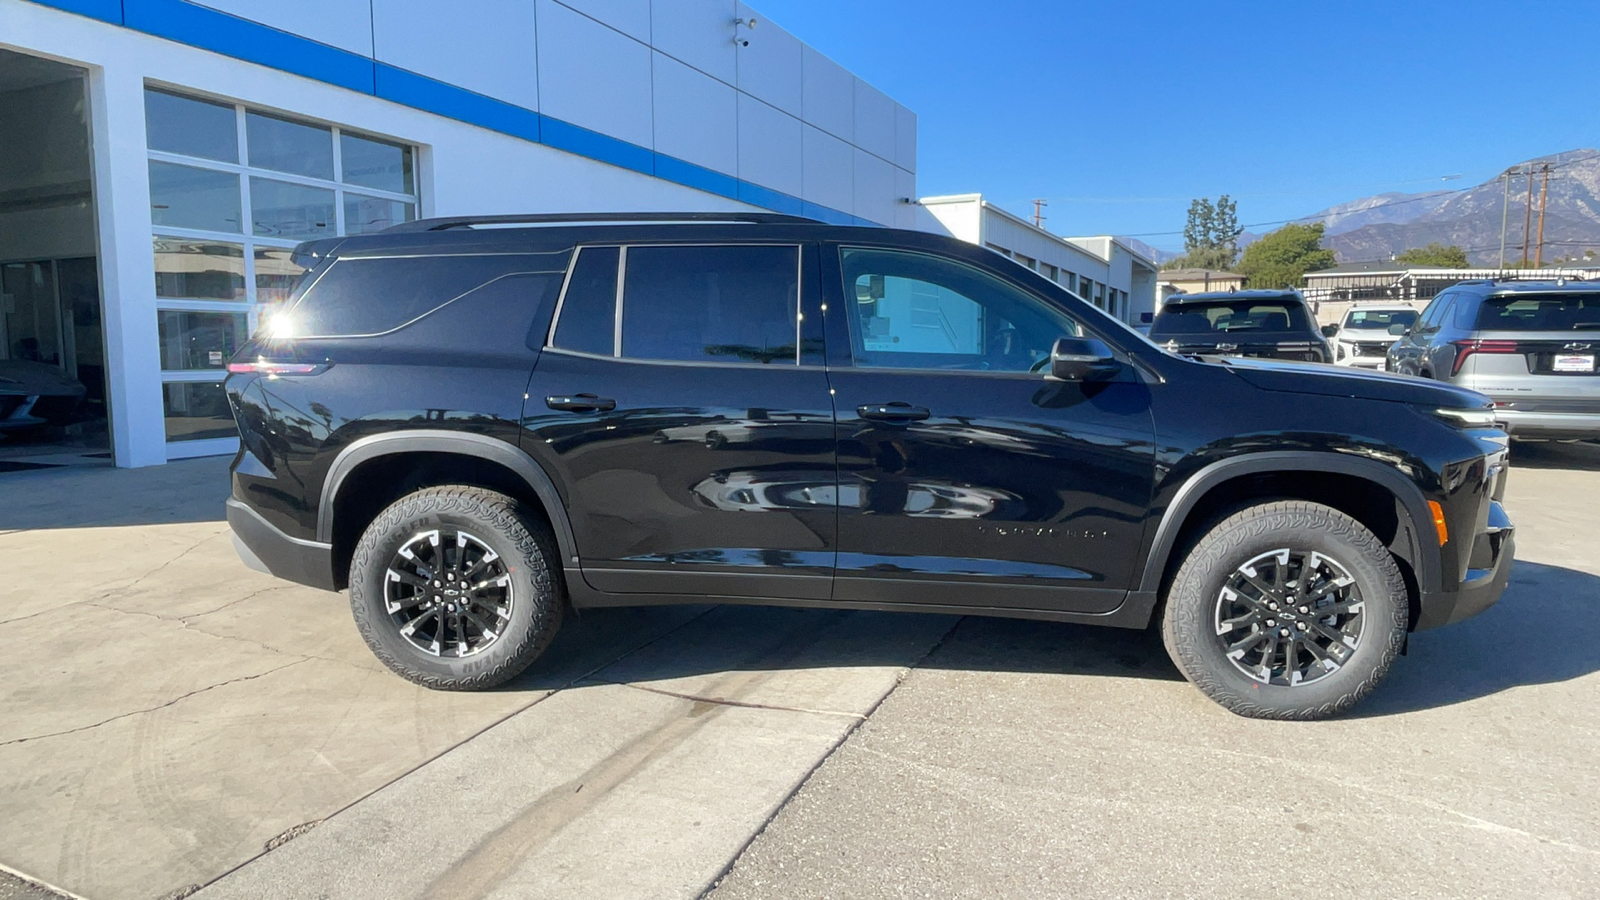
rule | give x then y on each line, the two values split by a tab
1286	610
452	588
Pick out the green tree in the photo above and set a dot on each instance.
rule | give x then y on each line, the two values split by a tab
1211	237
1435	254
1281	259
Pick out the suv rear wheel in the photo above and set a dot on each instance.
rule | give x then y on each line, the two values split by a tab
452	588
1286	610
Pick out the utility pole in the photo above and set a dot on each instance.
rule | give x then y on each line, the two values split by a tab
1505	205
1544	188
1038	214
1527	219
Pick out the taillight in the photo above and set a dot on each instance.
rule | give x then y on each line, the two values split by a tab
1465	349
269	367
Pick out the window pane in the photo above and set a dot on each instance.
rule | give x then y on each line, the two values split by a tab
277	275
711	304
191	127
286	146
589	310
371	296
199	340
368	214
199	270
376	164
284	210
1540	312
186	197
196	411
925	312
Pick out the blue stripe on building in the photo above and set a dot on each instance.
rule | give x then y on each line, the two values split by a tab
229	35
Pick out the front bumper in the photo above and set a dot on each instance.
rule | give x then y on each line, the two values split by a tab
266	549
1493	551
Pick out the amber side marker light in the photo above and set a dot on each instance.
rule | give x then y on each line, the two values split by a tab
1438	522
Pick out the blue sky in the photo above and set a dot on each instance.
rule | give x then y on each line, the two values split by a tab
1119	112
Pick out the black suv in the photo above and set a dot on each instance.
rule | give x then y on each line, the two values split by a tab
1269	324
479	429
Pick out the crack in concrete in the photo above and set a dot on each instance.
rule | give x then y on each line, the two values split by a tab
724	701
137	712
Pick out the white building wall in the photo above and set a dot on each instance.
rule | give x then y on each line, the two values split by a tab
463	169
1107	263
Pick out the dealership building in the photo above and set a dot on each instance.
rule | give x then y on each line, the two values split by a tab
159	159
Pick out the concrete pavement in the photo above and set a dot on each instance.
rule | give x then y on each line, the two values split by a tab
1036	760
170	719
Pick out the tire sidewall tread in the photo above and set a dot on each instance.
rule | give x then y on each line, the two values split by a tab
1189	634
518	538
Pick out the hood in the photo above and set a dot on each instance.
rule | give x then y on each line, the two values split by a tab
1338	381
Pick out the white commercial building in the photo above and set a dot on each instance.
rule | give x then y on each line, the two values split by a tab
159	159
1102	270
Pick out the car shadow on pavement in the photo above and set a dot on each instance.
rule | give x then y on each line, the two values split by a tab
1577	457
1544	630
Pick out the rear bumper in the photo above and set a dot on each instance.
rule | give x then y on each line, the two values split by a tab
266	549
1493	551
1550	425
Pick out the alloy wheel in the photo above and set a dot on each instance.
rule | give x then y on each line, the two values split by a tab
448	593
1289	617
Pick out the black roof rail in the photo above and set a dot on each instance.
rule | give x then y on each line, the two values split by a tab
446	223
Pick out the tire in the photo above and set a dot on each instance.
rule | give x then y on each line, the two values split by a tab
506	549
1334	547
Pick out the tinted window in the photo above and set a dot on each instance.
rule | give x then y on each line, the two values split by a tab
191	127
371	296
1378	319
911	310
1540	312
711	304
588	316
1228	317
1433	314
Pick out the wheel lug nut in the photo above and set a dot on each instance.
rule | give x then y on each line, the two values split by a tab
1305	609
1283	633
1272	623
1300	625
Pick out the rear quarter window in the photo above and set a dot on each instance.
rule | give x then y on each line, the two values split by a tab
369	296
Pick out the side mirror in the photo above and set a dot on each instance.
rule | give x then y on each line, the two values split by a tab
1330	330
1082	359
1399	329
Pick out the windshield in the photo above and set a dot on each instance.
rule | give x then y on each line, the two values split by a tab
1379	319
1540	312
1228	317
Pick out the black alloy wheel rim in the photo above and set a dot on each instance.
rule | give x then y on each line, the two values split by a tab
448	594
1290	617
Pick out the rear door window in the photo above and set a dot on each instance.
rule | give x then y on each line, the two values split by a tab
1540	312
587	319
364	296
728	304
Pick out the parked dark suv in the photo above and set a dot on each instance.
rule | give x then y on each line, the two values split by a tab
477	430
1269	324
1530	346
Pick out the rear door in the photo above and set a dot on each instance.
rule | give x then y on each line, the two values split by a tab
687	423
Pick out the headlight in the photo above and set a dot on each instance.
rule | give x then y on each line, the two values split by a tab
1469	418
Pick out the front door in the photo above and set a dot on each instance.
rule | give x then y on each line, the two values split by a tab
967	476
694	436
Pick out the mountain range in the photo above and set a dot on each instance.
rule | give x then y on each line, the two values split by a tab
1375	228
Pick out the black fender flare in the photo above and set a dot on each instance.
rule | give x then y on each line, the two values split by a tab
463	443
1410	505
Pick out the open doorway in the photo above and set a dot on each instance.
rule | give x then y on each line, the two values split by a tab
53	406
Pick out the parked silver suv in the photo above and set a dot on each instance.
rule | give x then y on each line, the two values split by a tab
1529	345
